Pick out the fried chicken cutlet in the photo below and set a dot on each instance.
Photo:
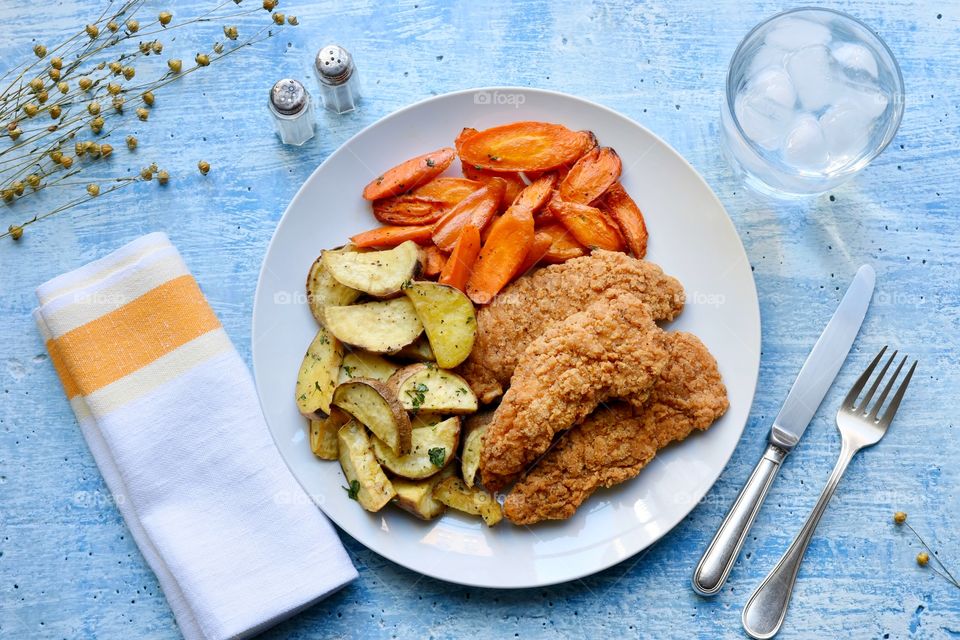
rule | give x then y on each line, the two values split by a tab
613	444
611	350
524	309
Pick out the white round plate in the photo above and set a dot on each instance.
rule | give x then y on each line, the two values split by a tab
690	236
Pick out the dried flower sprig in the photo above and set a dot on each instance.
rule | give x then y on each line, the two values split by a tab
58	108
924	557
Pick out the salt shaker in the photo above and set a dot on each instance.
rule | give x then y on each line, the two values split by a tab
339	82
292	111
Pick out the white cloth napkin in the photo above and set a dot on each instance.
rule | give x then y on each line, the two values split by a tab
169	411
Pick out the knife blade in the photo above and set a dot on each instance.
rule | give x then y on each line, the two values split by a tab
805	396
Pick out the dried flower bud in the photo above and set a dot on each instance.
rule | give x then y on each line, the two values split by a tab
269	5
165	17
36	84
231	32
148	98
146	173
56	62
153	167
54	74
131	142
66	162
143	114
93	108
16	231
923	558
30	109
163	177
85	83
79	148
96	125
92	30
55	111
56	156
7	195
106	150
292	21
113	26
202	59
217	47
899	517
116	67
93	190
17	187
144	48
129	72
42	97
118	104
175	64
40	50
91	147
33	180
278	18
113	88
157	47
63	87
15	133
204	167
133	26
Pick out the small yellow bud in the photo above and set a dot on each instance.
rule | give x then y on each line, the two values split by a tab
56	156
33	180
175	64
92	30
278	18
899	517
16	231
204	167
63	87
131	142
15	133
106	150
7	195
113	88
165	17
40	50
148	98
42	97
116	67
85	83
30	109
66	162
143	114
153	167
36	84
118	104
157	47
79	148
54	74
56	62
231	32
292	21
17	187
93	190
218	47
269	5
91	147
146	173
96	125
923	558
202	59
129	72
163	177
93	108
133	26
113	26
144	48
55	111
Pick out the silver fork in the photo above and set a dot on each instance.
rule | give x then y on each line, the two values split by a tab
860	426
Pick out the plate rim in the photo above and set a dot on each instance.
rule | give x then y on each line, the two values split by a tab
727	220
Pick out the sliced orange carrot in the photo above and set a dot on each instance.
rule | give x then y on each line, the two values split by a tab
457	269
392	236
525	146
511	236
465	133
589	225
618	204
591	176
478	208
514	183
563	245
424	204
535	196
409	174
432	260
538	249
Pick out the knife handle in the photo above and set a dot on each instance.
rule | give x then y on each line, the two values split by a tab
718	559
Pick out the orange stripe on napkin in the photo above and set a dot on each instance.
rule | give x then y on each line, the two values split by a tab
120	342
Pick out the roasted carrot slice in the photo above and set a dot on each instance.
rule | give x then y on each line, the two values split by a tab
589	225
511	236
409	174
478	208
392	236
514	183
618	204
563	245
538	249
465	133
457	270
432	260
535	196
591	176
525	146
425	204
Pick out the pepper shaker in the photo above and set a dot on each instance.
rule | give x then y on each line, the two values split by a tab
292	111
339	82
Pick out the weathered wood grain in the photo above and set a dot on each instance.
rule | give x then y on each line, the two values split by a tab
68	567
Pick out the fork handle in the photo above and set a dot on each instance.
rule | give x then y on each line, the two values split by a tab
718	559
767	607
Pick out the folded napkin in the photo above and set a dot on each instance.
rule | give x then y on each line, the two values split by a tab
169	411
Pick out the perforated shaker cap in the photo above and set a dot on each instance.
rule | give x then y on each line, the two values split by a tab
288	96
334	64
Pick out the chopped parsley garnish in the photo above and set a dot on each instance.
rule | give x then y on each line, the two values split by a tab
349	370
316	385
438	455
461	391
431	163
353	489
417	395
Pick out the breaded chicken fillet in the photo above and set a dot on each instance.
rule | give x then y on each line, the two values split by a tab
524	309
614	444
611	350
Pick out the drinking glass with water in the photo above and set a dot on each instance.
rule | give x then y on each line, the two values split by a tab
812	97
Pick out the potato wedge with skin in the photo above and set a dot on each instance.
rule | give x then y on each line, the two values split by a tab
382	327
379	273
418	350
373	488
373	404
424	387
475	428
363	364
323	434
433	449
525	146
416	496
449	319
426	419
317	378
454	493
323	290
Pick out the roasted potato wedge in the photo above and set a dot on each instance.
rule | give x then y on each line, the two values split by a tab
425	387
366	481
433	449
455	494
318	375
323	434
363	364
449	319
416	496
379	273
323	290
374	405
475	428
425	419
418	350
382	326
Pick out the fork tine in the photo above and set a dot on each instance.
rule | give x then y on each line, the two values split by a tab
851	398
897	397
876	383
886	391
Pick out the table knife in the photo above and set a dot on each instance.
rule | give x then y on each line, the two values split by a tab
808	390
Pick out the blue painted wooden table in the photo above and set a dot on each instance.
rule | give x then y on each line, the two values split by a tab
68	567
